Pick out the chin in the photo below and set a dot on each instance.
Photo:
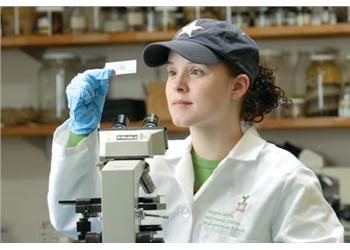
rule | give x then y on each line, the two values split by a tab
181	122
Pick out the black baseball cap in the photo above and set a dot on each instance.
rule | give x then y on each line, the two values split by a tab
208	41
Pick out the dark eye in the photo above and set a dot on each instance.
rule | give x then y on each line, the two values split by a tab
196	72
171	73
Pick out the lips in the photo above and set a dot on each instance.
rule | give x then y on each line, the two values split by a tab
181	102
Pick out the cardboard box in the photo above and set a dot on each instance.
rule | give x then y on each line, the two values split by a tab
156	100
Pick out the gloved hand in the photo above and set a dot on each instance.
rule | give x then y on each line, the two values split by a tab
86	96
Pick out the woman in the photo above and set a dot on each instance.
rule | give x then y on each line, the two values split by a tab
223	183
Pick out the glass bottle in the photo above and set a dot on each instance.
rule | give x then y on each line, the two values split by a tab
316	16
333	16
262	19
77	21
135	17
27	20
166	18
344	102
57	71
49	20
7	21
300	16
306	15
280	62
326	15
323	79
300	62
151	16
241	17
291	16
114	19
189	14
279	17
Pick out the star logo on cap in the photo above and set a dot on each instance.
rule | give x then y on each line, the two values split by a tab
188	29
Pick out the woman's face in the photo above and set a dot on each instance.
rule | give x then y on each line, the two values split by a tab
198	94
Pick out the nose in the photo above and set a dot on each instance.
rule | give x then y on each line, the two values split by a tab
180	83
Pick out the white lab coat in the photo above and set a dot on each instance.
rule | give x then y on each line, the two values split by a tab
258	193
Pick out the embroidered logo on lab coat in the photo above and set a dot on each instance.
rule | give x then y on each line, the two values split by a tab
241	206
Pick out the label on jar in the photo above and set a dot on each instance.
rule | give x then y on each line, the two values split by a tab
77	23
43	22
135	18
321	99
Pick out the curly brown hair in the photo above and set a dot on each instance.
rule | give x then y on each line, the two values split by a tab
262	96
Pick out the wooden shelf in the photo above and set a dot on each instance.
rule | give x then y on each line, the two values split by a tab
267	124
305	123
310	31
84	39
285	32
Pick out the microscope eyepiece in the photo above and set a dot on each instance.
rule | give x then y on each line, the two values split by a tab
121	121
150	121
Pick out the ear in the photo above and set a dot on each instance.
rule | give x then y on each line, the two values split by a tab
240	85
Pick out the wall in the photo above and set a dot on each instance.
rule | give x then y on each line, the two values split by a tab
25	164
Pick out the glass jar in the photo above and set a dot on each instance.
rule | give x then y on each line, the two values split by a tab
77	21
8	21
166	18
333	16
300	16
347	69
49	20
114	19
189	14
300	62
280	62
57	71
326	15
241	17
291	16
316	16
135	17
344	102
151	19
295	109
263	17
210	12
323	80
27	20
307	16
278	17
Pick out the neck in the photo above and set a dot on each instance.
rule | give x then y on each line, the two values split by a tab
214	143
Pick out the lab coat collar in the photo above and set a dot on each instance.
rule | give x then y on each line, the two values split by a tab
179	148
179	156
246	149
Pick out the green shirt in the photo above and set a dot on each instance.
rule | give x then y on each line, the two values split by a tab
202	169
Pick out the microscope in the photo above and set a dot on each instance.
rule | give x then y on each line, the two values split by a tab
122	153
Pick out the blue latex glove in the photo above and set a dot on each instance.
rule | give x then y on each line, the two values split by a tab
86	96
